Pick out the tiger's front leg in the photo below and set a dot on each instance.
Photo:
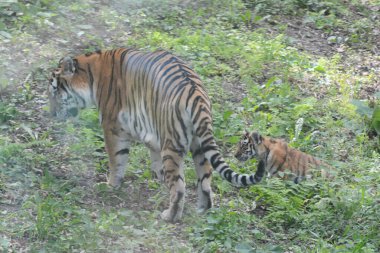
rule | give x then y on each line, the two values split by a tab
117	147
175	179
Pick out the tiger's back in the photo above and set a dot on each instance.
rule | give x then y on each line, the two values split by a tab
301	165
152	88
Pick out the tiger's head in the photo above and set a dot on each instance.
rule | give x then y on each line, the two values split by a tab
64	90
250	146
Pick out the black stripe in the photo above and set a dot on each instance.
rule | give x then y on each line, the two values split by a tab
122	56
210	148
169	157
64	88
206	141
217	163
236	178
213	158
176	204
197	152
203	129
257	178
228	175
207	175
207	194
223	169
244	180
190	94
124	151
176	178
91	81
195	103
260	169
161	66
203	162
110	85
79	97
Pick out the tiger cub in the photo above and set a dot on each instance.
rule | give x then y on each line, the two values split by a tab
274	156
154	98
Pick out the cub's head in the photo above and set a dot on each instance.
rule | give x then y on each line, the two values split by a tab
63	98
251	145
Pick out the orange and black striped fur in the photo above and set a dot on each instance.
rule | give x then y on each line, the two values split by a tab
153	98
274	155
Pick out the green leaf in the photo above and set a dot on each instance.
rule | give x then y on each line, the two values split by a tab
270	81
234	139
5	35
244	247
213	220
4	244
320	69
227	115
271	249
362	108
257	18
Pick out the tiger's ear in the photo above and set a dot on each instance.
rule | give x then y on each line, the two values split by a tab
257	138
246	133
66	67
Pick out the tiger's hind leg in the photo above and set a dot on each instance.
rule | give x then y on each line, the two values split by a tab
156	165
204	173
175	179
117	147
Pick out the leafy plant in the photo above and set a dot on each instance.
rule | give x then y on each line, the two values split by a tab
223	230
376	120
7	112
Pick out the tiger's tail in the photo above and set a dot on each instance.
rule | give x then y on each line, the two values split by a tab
236	179
212	154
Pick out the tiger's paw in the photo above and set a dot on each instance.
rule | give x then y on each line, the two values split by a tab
114	182
169	217
202	210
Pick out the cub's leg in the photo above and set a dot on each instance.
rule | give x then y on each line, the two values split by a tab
117	147
174	178
157	166
204	172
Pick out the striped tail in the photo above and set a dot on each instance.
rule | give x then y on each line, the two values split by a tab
200	114
239	180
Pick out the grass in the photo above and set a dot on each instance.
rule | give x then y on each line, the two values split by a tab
52	192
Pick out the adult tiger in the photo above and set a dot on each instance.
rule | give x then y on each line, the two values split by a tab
154	98
274	155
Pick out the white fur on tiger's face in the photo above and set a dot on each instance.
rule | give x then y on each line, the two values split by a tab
154	98
62	103
245	149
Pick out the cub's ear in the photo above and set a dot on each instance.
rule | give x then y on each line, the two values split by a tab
67	67
257	138
246	133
